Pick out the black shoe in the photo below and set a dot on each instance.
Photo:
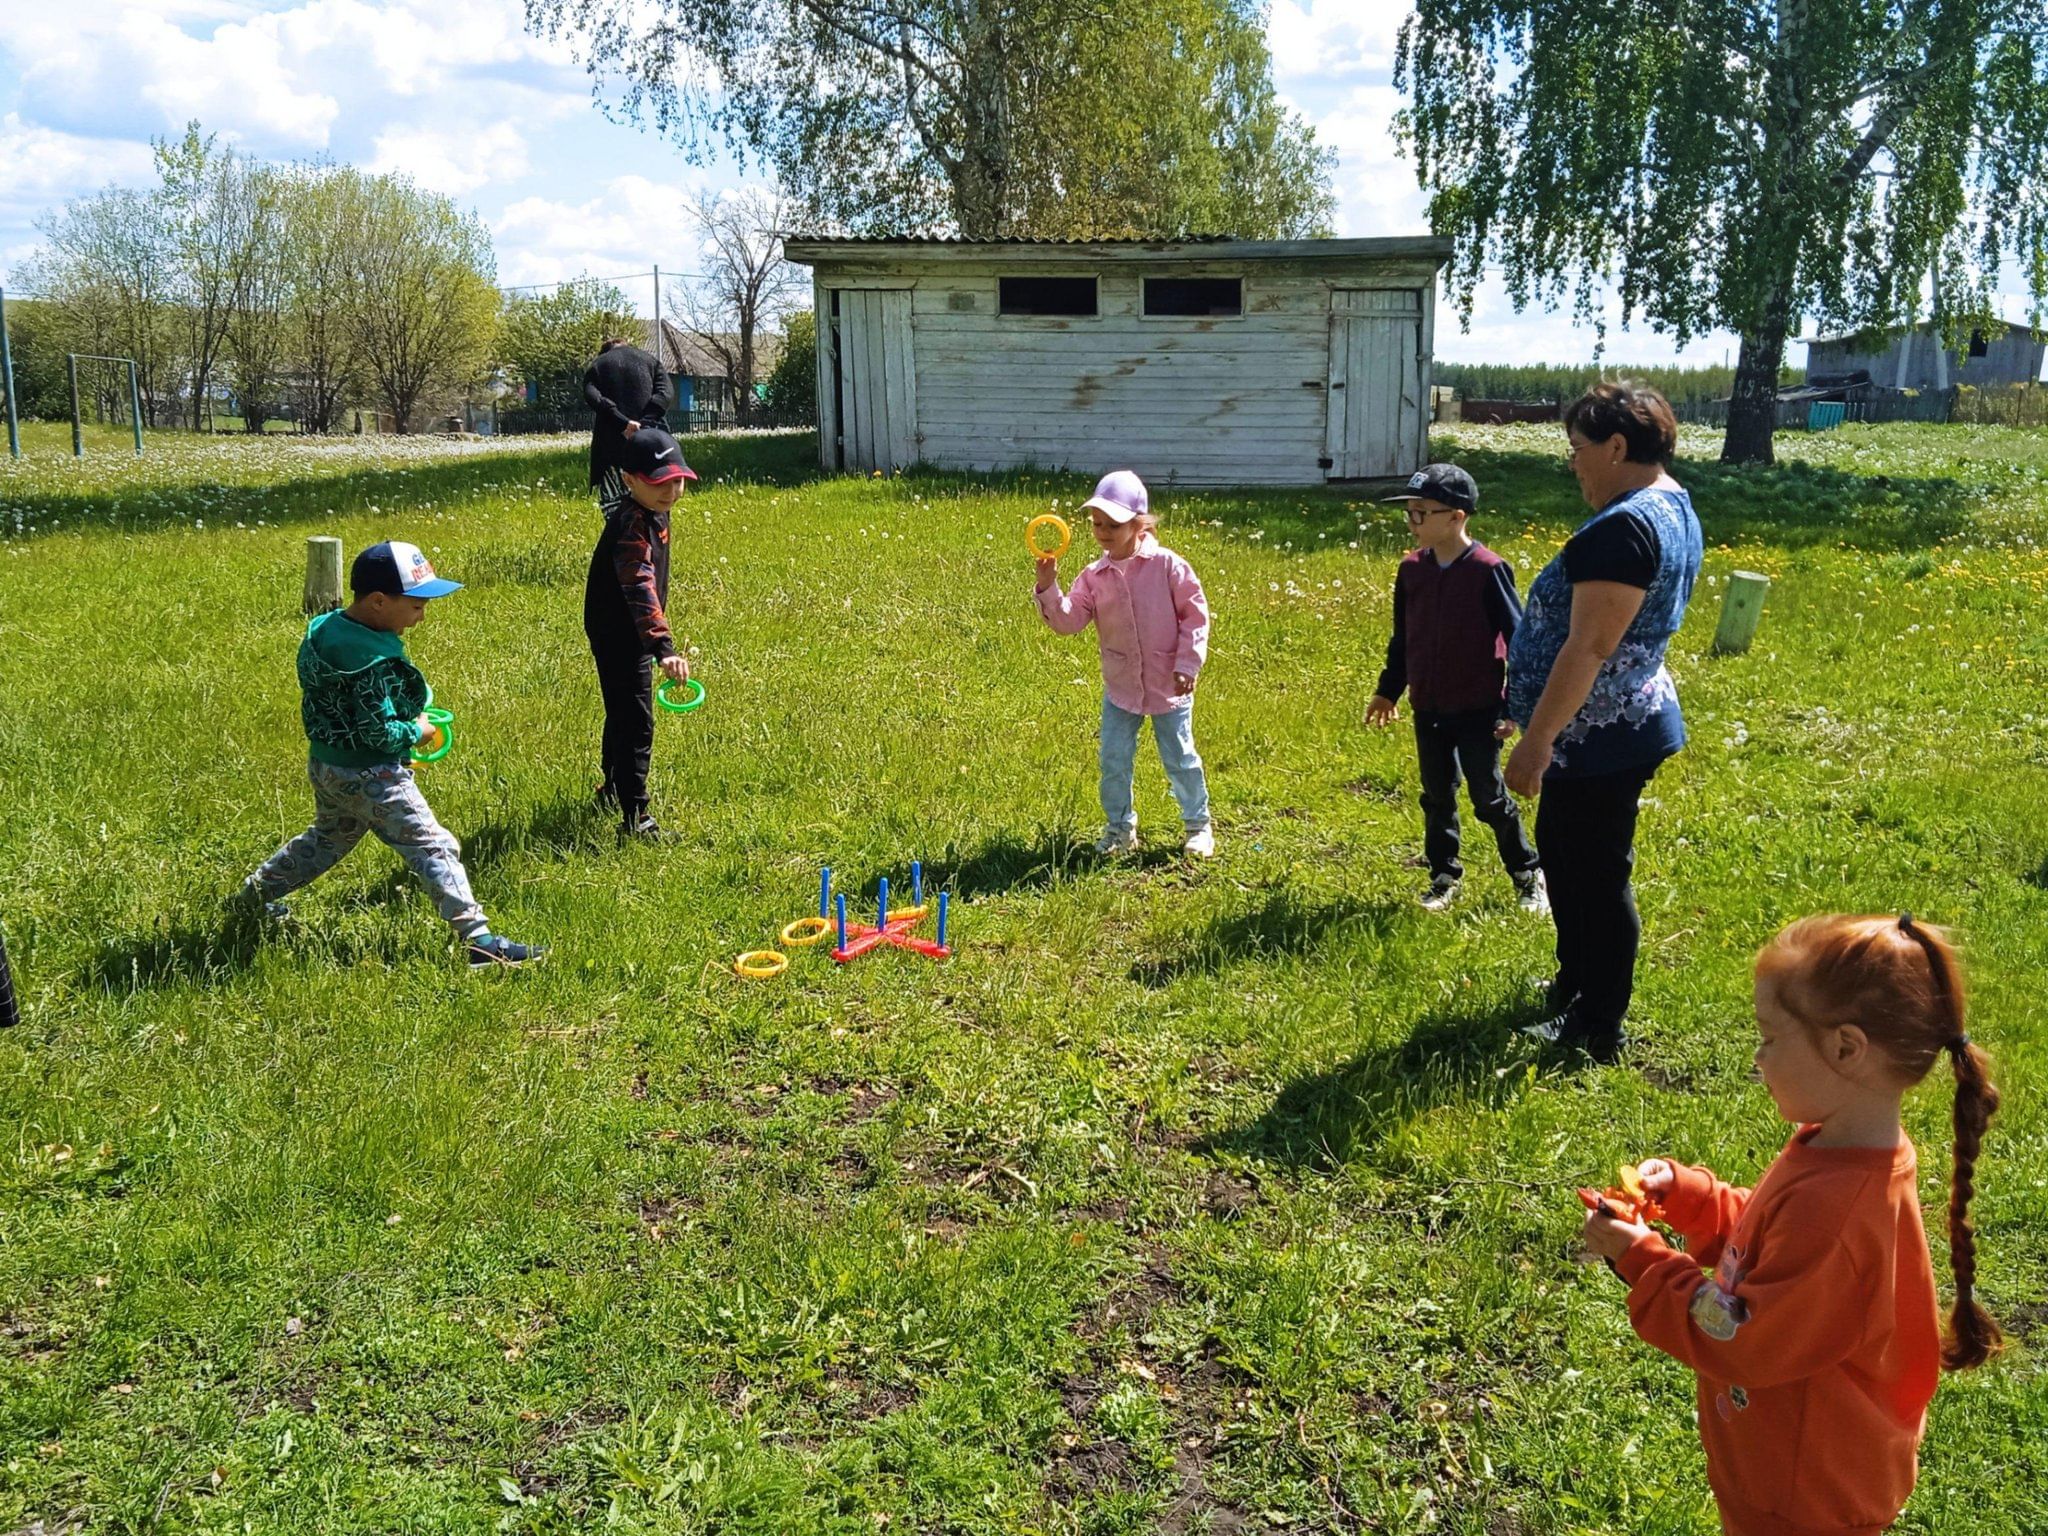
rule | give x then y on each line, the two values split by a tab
1568	1032
642	829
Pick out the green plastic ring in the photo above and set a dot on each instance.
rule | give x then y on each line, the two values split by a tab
693	698
444	718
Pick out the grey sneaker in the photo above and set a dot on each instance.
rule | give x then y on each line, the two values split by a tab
1117	840
487	951
1531	894
1441	893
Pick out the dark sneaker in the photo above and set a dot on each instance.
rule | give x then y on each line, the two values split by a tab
1531	895
1443	890
488	949
1568	1032
248	902
643	828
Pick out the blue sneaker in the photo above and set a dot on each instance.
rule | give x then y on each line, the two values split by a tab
487	950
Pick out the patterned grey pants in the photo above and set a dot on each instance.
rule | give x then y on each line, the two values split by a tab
347	802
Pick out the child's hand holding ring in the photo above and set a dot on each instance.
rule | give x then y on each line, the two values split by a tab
1609	1237
1048	568
1657	1178
676	668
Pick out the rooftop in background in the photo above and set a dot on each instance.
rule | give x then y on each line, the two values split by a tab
1435	248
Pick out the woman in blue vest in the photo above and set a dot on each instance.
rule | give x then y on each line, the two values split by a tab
1597	710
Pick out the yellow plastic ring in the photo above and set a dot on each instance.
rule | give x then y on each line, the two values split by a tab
759	964
1031	536
805	930
913	913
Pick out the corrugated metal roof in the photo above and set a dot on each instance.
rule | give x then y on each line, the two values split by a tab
808	249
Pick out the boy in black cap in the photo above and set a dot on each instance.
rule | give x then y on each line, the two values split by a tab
1455	609
363	704
624	602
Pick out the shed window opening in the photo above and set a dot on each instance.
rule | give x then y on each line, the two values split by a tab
1046	295
1202	296
1980	344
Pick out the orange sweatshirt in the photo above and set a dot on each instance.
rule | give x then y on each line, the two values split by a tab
1808	1310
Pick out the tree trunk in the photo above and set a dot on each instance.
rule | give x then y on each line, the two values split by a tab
1753	404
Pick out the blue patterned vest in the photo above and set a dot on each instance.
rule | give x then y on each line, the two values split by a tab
1631	718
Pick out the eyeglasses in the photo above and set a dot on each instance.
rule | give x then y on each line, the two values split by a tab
1426	513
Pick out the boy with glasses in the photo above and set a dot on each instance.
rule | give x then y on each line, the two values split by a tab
1455	610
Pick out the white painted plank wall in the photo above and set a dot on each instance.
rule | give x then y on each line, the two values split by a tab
1229	399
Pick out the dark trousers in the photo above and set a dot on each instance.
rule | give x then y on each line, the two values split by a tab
1445	746
625	677
1586	835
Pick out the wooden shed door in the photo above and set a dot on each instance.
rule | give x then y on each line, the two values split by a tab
1375	391
877	400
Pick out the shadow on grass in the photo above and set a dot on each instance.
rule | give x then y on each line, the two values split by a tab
1281	926
1329	1118
1008	862
1789	506
568	824
302	489
173	954
2037	877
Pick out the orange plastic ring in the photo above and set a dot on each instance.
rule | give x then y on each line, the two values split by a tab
1031	536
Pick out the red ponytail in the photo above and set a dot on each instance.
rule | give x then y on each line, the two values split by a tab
1898	981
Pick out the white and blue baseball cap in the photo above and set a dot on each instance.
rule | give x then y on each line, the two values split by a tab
398	570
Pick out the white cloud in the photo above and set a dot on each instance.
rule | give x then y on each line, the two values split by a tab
1321	39
282	80
43	163
453	160
634	224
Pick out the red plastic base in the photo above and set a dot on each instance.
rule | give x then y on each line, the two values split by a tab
863	937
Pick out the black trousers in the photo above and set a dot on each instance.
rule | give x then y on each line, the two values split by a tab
1586	835
625	678
1445	746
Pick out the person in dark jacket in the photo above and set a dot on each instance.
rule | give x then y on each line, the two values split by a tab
628	389
625	617
1455	610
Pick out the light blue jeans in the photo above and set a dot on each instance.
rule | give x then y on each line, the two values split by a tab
347	802
1174	734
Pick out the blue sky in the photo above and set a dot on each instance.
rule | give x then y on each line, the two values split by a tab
456	94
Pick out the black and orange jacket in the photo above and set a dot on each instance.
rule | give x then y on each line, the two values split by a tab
625	599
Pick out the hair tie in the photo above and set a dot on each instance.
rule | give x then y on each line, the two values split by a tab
1905	922
1960	1044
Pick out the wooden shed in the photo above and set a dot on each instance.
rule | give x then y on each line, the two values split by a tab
1210	362
1917	359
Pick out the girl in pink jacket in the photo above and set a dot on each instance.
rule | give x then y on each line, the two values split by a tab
1152	624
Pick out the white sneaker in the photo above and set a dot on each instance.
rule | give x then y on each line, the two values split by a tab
1533	895
1117	840
1441	893
1201	843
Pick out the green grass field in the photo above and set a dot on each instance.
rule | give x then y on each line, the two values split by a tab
1182	1200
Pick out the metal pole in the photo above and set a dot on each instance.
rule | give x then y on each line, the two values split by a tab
77	437
7	382
657	315
135	406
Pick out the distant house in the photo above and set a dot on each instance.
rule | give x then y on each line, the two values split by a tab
699	372
1286	362
1915	359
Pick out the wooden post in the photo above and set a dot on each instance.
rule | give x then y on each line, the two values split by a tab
323	574
1740	610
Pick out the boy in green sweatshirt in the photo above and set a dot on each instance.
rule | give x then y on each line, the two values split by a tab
363	703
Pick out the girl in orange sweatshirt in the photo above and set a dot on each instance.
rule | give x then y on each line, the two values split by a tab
1807	1306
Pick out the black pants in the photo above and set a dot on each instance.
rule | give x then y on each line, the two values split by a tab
625	677
1586	835
1444	745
